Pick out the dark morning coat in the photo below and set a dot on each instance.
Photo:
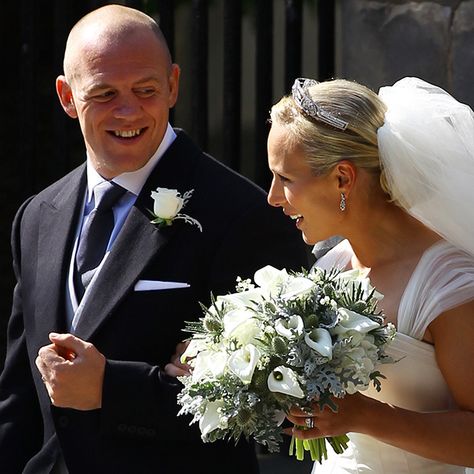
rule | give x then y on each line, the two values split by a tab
136	430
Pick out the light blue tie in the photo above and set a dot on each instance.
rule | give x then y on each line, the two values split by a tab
95	234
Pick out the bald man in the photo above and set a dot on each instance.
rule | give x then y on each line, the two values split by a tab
93	325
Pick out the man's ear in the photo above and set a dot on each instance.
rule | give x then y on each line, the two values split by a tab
63	89
346	174
174	84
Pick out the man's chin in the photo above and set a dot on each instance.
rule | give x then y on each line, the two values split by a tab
110	171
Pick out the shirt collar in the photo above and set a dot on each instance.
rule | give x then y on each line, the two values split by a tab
132	181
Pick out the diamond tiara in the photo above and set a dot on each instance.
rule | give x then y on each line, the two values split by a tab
300	95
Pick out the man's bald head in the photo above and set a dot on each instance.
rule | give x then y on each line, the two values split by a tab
109	24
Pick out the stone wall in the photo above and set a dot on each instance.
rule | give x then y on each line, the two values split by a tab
381	41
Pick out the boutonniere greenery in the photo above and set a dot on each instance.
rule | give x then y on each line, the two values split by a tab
166	206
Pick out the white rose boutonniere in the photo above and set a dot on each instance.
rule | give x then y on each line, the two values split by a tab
167	204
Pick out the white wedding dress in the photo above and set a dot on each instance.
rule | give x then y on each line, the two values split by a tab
443	278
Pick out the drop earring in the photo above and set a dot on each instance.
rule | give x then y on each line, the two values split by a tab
342	204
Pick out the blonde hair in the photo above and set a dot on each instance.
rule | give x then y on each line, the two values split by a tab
324	145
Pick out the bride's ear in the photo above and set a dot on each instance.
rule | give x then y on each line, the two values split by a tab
345	173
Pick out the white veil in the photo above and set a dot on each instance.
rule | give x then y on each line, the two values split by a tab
427	152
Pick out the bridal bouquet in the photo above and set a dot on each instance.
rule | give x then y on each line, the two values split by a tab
288	339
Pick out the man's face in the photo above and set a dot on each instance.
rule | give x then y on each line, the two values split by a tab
121	92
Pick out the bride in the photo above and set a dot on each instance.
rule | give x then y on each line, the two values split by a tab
393	174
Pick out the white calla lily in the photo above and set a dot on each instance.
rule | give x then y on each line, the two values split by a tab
271	281
243	362
210	420
319	339
290	327
284	380
279	283
352	321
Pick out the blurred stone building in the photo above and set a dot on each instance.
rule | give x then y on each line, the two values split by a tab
380	41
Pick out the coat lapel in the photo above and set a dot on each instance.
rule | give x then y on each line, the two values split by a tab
54	250
139	241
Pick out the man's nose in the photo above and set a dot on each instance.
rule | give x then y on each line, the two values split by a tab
127	107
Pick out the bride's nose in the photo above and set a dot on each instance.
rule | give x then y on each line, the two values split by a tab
276	197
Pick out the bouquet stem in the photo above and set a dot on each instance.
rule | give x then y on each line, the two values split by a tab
317	447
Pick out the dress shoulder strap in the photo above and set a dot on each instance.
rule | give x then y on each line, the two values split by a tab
442	280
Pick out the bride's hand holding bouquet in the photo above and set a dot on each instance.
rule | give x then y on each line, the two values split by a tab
351	414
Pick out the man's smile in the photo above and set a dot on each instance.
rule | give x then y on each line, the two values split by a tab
127	133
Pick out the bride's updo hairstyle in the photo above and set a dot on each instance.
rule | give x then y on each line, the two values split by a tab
415	136
333	121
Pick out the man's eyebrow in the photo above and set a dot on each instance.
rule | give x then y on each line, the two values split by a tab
97	86
147	79
105	85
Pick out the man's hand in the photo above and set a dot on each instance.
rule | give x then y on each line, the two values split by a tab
72	371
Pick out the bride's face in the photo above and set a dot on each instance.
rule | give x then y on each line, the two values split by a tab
312	201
